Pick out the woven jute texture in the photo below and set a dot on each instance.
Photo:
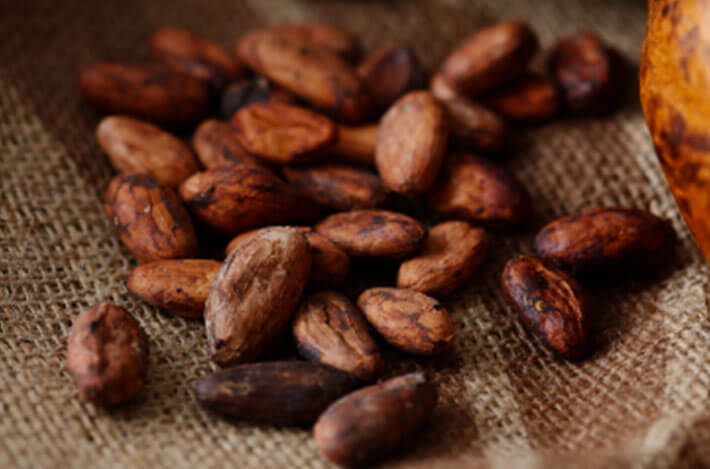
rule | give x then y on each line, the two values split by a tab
639	401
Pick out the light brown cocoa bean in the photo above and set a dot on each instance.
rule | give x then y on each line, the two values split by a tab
254	294
329	329
310	72
409	320
373	233
450	255
479	191
330	264
411	141
134	146
177	285
491	57
283	134
107	355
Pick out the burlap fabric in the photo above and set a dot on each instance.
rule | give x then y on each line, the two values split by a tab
639	401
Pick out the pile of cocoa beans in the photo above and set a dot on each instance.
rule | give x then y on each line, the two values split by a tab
284	185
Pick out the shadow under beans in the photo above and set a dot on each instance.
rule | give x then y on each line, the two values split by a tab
610	320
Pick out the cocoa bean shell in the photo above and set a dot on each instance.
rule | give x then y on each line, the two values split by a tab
335	40
283	134
608	241
330	265
310	72
532	99
409	320
389	72
200	58
551	304
254	294
450	255
473	125
149	218
232	199
216	144
279	393
484	193
134	146
366	424
337	186
373	233
177	285
589	74
107	355
491	57
411	141
149	91
329	329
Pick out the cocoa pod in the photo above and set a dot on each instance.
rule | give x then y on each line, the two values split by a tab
149	218
551	304
254	293
491	57
338	186
330	264
216	144
177	285
411	141
389	72
153	92
480	191
373	233
471	124
282	134
200	58
366	424
409	320
250	91
334	40
609	241
451	253
356	144
107	355
530	100
231	200
278	393
329	329
310	72
589	74
135	146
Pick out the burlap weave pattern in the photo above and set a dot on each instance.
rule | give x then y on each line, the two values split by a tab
639	401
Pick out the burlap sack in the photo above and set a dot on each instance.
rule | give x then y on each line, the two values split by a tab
639	401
